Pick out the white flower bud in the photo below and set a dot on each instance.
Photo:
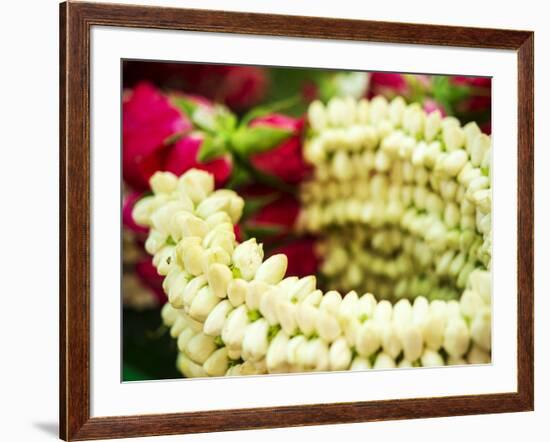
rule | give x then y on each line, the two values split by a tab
480	281
164	260
314	298
203	303
339	355
163	182
421	311
293	348
184	337
470	303
142	210
273	269
234	353
169	314
302	288
247	258
214	255
383	361
255	341
432	125
217	363
306	317
193	257
162	217
454	161
200	347
383	311
481	329
235	370
411	339
197	184
234	327
337	112
471	130
456	338
435	325
313	355
348	306
217	219
180	324
453	137
192	288
396	110
268	304
413	119
359	364
213	325
236	292
431	358
378	109
477	355
327	326
185	224
286	315
195	325
277	352
404	364
255	293
189	368
155	241
362	111
317	115
402	312
341	166
212	205
368	339
219	276
177	288
391	344
330	302
480	145
314	151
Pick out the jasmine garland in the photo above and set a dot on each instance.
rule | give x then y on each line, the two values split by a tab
234	313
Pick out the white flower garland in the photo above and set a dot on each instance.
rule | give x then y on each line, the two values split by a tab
234	313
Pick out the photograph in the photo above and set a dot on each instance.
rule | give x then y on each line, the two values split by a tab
280	220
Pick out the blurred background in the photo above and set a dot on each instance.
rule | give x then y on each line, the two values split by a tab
245	125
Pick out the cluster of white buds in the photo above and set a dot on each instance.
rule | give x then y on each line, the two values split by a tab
402	197
234	313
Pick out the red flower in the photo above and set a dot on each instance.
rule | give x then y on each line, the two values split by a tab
280	213
386	84
482	82
148	120
182	156
285	160
302	260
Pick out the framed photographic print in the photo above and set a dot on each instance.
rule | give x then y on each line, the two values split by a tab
274	221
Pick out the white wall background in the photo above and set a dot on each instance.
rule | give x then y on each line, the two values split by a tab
29	205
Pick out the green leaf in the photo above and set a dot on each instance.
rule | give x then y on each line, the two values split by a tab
184	105
212	147
266	109
211	119
249	140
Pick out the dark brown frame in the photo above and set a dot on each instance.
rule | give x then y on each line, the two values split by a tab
76	20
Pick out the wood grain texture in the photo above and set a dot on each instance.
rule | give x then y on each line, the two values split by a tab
76	20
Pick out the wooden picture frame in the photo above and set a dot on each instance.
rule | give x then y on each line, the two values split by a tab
76	20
